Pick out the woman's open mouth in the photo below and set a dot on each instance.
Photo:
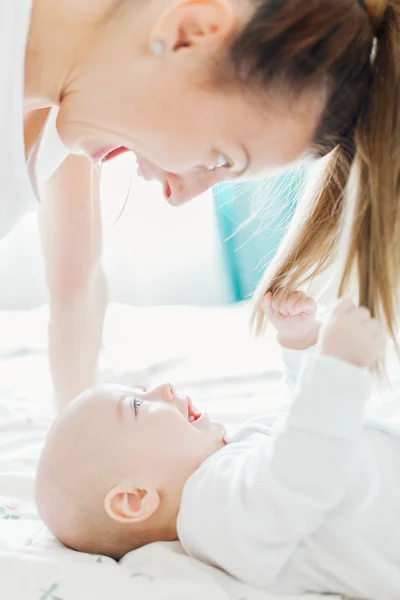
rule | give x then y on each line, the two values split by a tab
111	154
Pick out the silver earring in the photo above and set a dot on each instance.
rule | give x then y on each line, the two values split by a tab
158	48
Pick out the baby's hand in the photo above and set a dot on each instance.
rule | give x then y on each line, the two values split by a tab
294	319
352	335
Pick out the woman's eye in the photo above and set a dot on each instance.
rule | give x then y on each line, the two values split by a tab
222	161
136	405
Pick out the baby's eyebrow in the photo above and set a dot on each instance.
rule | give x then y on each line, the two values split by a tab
121	405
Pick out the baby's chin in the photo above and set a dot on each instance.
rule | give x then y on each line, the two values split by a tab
218	431
221	441
212	443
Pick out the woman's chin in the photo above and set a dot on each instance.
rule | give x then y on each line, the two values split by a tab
149	171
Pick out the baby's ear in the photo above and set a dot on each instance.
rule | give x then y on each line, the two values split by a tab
126	504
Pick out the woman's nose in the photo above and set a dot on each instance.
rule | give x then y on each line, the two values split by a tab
182	190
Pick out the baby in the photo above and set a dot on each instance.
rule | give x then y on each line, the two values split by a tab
306	499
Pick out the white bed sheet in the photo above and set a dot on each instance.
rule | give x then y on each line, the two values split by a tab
206	352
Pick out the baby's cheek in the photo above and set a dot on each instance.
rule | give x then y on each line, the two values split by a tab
169	427
179	432
183	442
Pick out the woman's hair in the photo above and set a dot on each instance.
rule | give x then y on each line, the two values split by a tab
352	216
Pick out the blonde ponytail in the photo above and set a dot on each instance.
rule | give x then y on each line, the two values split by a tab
311	244
373	194
354	216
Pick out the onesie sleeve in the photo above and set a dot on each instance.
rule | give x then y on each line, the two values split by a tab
293	361
249	507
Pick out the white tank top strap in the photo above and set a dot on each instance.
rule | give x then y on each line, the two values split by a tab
17	185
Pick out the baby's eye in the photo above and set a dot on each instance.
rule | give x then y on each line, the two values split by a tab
136	404
222	161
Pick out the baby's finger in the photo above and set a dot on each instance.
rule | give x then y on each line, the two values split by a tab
378	337
281	307
305	305
343	306
373	327
363	314
268	299
276	305
292	301
267	304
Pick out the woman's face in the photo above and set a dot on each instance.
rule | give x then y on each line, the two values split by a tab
186	132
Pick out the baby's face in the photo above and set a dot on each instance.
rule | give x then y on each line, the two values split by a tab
156	438
125	454
163	433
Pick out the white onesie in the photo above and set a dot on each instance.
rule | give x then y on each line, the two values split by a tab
307	500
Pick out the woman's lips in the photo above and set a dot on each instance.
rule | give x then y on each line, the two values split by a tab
105	155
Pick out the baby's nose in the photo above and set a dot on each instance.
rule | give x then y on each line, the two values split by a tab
166	392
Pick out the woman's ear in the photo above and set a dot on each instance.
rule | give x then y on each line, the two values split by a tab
126	504
194	23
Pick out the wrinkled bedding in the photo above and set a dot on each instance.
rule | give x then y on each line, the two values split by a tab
205	352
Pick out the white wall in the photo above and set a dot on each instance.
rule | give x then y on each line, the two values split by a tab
153	254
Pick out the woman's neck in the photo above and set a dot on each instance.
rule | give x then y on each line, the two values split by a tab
60	33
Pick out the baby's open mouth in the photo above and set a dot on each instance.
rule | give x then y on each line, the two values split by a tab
193	413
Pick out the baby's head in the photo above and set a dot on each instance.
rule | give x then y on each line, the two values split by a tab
114	465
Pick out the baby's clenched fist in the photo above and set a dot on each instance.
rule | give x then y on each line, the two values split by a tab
352	335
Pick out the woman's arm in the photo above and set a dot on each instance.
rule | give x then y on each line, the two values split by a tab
71	236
